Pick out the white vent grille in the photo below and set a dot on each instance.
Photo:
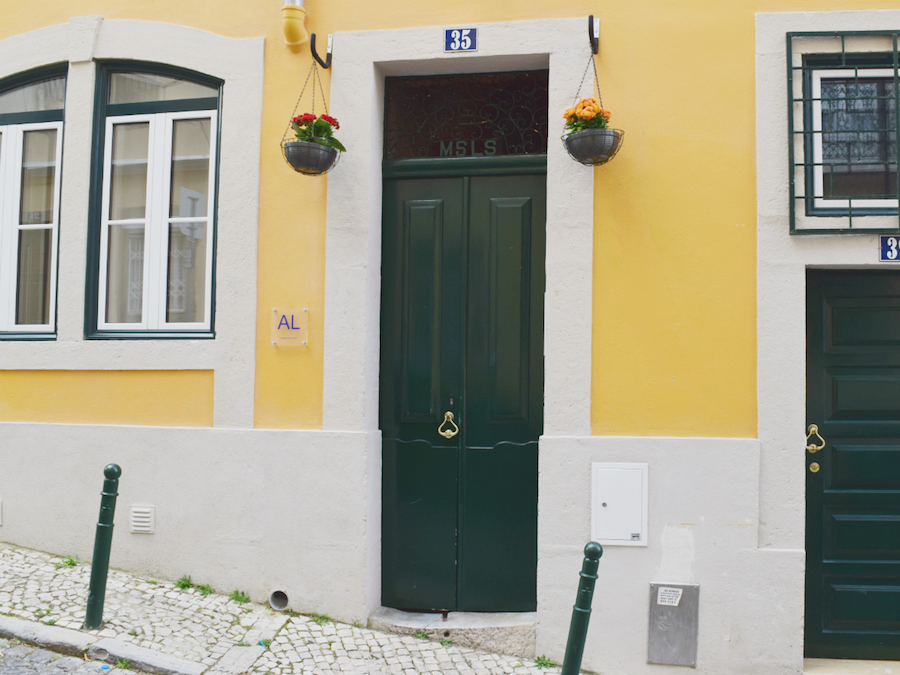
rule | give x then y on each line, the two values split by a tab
142	520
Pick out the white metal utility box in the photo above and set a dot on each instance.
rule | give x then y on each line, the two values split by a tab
619	503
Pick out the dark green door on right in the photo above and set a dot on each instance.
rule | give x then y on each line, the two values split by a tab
461	353
853	483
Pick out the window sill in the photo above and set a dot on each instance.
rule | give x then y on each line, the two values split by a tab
29	337
151	335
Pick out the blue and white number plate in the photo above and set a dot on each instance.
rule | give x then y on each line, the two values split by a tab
889	250
460	39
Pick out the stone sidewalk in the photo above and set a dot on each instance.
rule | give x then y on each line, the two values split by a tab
158	627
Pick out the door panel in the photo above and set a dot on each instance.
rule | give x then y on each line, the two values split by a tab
498	545
420	372
462	331
853	502
419	550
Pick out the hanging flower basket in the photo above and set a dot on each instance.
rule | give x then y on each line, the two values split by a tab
594	146
588	137
312	148
309	158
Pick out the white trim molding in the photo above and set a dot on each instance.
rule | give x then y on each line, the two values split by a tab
781	276
353	239
239	63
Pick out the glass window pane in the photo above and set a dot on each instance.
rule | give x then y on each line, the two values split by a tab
46	95
187	273
38	176
125	274
859	144
128	178
466	115
190	168
33	284
144	87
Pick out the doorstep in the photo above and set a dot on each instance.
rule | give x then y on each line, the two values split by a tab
850	667
513	633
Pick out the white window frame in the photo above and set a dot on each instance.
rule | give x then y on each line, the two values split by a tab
11	148
156	222
818	172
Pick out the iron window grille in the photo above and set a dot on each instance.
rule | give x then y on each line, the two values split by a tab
843	121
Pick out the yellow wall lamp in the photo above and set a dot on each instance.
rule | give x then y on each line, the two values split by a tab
293	23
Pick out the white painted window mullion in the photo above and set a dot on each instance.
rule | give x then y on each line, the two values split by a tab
210	215
156	220
7	153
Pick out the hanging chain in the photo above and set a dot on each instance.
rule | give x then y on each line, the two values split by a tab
314	73
590	63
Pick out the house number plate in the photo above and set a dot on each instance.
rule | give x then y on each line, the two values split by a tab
889	248
460	39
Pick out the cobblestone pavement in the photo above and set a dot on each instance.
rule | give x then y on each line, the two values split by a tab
218	632
21	659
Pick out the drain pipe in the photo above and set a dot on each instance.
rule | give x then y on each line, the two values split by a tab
581	613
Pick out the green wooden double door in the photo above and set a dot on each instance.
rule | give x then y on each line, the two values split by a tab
853	482
461	400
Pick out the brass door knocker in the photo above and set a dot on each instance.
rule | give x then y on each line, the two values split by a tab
451	432
814	431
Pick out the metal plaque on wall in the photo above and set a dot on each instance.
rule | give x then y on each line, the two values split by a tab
674	619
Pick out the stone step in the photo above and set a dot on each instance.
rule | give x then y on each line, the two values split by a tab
513	633
849	667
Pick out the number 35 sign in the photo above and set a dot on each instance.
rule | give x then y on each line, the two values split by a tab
890	248
460	39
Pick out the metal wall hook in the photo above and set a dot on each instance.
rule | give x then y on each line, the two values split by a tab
594	33
312	47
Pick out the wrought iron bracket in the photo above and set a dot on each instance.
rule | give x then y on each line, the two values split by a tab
312	48
593	33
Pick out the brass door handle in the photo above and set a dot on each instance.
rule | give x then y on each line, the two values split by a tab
814	431
452	431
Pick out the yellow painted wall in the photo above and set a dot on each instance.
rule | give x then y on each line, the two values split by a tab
674	349
178	398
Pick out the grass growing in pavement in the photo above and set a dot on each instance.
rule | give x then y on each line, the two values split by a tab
321	619
544	662
445	642
123	663
184	582
239	597
68	561
422	635
205	589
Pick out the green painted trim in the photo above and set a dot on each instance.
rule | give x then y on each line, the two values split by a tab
92	255
32	117
845	230
27	337
790	116
841	33
102	110
809	64
151	335
464	166
115	110
156	68
34	75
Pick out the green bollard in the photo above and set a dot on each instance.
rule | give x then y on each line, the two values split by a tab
102	544
581	613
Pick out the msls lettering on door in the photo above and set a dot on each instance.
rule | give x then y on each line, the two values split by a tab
470	148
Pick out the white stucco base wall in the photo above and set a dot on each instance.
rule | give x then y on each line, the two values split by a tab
239	509
703	529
